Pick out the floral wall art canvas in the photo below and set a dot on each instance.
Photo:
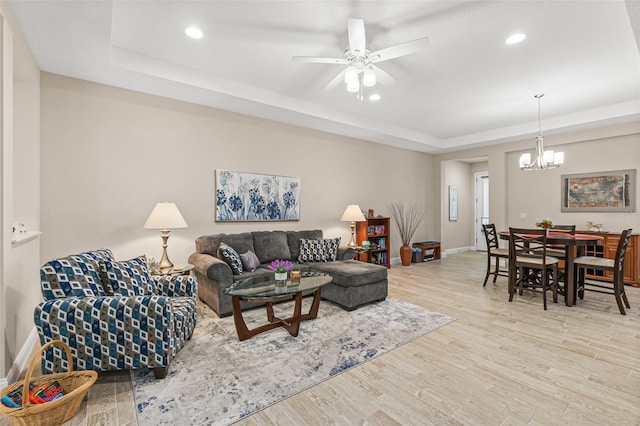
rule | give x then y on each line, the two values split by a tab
256	197
599	192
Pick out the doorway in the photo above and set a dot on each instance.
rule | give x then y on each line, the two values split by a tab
482	208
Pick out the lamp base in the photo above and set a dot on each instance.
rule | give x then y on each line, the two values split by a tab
165	266
352	242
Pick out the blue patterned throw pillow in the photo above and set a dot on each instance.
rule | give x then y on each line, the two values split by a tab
229	255
331	248
318	250
129	277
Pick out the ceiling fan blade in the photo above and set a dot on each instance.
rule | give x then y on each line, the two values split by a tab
335	81
319	60
383	77
357	37
401	49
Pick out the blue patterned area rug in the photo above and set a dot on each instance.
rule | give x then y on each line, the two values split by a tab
216	379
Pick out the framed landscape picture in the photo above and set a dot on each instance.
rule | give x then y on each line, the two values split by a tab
255	197
599	192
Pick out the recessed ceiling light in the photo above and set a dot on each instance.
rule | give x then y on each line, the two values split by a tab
516	38
194	33
374	97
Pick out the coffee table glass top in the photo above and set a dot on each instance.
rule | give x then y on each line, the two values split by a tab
264	287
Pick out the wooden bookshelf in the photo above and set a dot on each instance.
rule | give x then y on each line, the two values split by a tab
376	230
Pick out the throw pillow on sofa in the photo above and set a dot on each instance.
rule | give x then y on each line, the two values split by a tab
318	250
231	257
331	248
129	277
249	261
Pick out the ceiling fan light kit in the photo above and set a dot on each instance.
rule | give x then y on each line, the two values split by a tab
361	71
542	160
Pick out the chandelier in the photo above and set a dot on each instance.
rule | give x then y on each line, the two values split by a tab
542	159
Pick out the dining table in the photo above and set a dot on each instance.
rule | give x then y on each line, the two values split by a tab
575	246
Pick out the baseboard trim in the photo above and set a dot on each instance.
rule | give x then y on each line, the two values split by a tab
458	250
22	359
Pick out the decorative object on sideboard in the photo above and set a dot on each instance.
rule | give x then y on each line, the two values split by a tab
542	159
352	214
165	216
407	220
595	227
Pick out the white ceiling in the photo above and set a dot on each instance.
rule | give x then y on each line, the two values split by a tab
467	88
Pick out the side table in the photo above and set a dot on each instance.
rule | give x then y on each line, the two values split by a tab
176	270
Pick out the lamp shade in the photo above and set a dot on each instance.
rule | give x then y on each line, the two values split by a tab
165	216
353	213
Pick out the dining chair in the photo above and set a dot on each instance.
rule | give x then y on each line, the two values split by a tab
529	265
615	266
560	251
494	252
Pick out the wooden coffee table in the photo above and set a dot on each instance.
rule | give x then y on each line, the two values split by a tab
262	289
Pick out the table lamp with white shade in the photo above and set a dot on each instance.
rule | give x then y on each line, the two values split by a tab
353	214
165	216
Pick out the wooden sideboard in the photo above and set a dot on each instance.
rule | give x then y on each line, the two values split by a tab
608	249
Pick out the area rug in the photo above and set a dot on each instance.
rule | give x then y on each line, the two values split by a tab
217	380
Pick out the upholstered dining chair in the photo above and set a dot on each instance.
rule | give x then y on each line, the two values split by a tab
529	265
494	252
614	266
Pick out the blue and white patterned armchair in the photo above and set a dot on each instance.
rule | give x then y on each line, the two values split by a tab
113	315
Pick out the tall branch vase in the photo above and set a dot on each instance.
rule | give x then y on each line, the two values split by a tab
405	255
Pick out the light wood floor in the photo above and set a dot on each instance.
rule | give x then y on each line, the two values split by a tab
499	363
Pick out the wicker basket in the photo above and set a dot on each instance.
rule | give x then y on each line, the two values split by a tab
76	384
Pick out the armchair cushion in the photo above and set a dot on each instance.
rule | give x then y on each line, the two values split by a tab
176	286
129	277
65	277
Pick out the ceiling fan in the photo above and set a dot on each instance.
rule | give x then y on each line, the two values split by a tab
361	71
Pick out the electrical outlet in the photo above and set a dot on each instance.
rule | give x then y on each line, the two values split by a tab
523	215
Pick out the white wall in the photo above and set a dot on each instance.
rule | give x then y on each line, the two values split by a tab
19	262
108	155
458	234
540	195
513	192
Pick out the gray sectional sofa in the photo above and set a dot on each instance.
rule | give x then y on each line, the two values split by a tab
354	283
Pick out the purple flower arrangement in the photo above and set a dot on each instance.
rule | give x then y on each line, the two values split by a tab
280	266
